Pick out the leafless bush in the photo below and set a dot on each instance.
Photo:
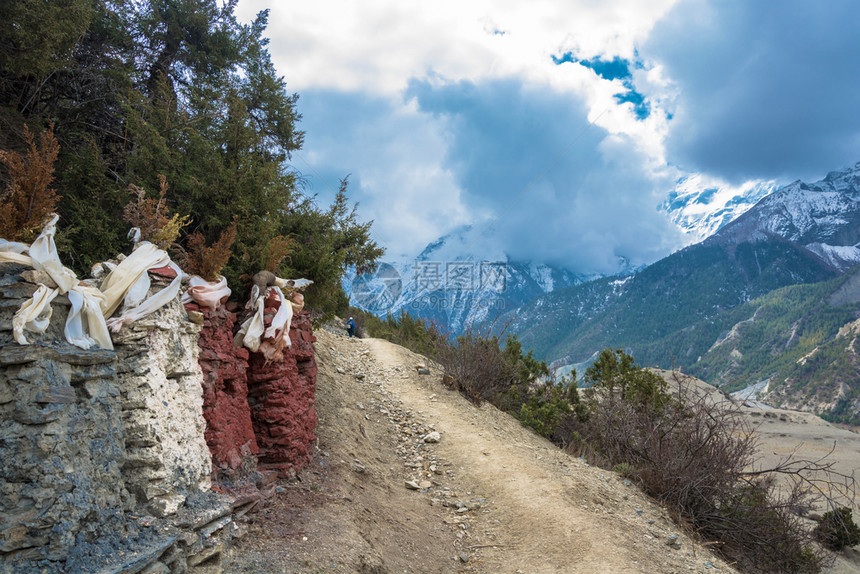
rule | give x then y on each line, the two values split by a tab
475	366
696	454
705	471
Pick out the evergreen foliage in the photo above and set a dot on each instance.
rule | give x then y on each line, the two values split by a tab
44	36
547	409
327	242
772	333
837	529
179	89
616	377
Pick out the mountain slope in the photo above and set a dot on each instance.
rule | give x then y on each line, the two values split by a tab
823	217
674	311
493	496
463	278
540	510
695	284
701	207
796	346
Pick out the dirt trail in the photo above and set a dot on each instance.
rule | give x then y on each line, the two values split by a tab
548	516
489	497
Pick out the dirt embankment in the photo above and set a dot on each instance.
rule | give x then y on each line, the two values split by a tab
490	496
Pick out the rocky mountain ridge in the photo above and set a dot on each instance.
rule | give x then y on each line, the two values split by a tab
674	312
463	279
700	207
823	217
671	313
457	281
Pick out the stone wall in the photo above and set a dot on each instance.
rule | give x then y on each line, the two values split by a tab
161	386
258	413
106	466
61	438
281	396
229	432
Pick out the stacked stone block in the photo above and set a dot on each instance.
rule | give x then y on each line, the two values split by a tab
61	439
105	460
281	396
229	432
160	381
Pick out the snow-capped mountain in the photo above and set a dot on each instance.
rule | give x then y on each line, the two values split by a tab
457	281
465	279
824	217
671	312
700	206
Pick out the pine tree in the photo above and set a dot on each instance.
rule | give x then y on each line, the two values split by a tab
180	89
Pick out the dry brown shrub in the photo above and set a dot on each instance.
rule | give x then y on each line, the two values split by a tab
152	216
277	250
697	456
476	366
207	261
28	199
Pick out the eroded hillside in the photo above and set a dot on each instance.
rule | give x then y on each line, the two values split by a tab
491	496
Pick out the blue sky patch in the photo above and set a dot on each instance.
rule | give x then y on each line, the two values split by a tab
614	69
640	107
567	57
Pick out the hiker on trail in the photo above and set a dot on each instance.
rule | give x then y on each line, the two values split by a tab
350	327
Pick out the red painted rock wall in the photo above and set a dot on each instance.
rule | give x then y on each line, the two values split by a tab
229	432
281	397
254	408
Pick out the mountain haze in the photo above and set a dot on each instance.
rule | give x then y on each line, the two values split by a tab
684	310
464	278
457	281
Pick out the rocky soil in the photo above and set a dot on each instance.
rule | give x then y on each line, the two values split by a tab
410	477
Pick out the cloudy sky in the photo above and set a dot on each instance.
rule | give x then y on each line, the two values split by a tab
557	127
